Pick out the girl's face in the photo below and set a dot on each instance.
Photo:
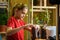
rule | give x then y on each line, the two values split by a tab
21	13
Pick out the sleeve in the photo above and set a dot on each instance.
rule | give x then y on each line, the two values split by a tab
10	23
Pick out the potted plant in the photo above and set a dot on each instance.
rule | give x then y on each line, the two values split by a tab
3	19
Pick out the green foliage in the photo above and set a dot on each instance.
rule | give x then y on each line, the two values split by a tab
3	16
41	17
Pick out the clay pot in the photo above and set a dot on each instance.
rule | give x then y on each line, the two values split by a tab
3	28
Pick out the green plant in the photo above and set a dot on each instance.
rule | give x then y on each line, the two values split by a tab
42	17
45	16
3	17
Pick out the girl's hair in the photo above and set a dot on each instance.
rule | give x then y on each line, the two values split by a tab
18	7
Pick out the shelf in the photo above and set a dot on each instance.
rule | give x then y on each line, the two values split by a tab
3	7
40	39
3	3
38	10
49	7
2	32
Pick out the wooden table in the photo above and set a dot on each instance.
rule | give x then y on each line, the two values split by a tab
40	39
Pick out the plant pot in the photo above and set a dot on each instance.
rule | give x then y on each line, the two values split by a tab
3	28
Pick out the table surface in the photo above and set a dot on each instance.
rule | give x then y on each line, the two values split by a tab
40	39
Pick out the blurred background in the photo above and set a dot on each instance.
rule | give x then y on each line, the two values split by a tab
40	12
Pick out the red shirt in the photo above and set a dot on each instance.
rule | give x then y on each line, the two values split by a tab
12	22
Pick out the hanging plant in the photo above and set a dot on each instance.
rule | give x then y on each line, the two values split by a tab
44	17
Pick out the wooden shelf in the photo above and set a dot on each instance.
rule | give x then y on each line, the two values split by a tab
40	39
3	3
35	10
2	32
49	7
